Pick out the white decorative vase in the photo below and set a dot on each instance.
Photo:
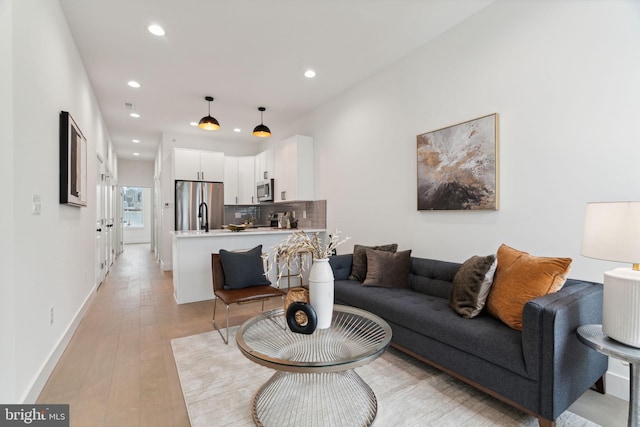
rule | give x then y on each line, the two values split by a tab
321	291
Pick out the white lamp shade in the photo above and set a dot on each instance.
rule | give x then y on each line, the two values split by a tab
612	231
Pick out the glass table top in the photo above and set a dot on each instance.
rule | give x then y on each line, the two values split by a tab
355	338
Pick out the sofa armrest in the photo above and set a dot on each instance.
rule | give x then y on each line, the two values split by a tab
565	368
341	265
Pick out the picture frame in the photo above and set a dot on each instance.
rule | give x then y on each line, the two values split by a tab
458	166
73	162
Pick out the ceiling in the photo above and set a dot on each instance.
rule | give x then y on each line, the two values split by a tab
244	53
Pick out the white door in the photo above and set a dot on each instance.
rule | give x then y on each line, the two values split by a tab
157	192
100	224
109	192
119	221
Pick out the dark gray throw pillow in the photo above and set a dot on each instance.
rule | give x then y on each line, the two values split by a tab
243	269
388	269
359	263
471	285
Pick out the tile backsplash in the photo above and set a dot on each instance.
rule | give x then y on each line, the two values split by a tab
316	213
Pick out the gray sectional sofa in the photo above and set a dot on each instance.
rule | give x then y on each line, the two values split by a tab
541	370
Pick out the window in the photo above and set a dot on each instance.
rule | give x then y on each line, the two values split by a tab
132	205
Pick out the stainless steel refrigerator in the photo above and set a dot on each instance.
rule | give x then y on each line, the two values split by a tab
197	204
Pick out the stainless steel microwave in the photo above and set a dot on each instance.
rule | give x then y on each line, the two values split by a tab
264	190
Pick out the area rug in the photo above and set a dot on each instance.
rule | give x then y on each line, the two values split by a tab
218	384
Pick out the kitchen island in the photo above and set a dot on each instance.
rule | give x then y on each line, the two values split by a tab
192	280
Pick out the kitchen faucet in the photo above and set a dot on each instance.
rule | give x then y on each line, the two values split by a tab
206	216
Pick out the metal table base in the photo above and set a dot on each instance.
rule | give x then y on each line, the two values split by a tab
315	400
315	383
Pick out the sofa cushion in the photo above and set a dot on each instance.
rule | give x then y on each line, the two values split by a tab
471	285
432	277
388	269
521	277
359	266
243	269
485	336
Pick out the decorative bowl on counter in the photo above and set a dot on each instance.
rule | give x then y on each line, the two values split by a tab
237	227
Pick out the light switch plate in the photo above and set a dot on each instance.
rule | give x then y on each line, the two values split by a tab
36	205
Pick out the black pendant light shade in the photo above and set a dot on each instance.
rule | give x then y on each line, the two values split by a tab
208	122
261	130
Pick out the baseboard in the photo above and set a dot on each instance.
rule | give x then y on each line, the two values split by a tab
617	385
38	384
165	266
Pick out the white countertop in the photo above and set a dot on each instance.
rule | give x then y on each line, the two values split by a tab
249	232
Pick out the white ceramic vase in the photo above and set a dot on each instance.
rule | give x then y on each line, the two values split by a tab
321	291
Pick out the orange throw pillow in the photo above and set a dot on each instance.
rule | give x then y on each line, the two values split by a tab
521	277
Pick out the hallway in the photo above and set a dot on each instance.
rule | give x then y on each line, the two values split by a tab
118	369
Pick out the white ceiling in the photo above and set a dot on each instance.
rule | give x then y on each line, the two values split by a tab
244	53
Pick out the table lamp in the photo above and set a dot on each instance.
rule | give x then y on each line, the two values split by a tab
612	233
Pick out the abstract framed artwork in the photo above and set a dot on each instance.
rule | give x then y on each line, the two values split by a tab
73	162
458	166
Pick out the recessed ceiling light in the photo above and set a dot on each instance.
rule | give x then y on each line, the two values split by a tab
309	74
156	30
135	141
237	130
194	123
136	115
133	83
136	154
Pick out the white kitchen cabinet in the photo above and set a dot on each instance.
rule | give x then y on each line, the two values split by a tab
239	181
293	168
230	180
246	180
264	165
196	165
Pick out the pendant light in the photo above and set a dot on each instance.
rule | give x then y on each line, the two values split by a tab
208	122
261	130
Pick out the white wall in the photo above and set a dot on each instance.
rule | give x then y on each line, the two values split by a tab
7	269
564	78
135	173
54	252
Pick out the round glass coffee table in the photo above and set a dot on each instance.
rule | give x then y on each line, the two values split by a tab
314	383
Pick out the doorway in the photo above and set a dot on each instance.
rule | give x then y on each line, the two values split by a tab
136	215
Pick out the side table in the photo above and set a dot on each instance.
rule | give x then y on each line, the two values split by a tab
593	337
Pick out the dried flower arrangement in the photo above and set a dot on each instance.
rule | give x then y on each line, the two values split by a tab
299	243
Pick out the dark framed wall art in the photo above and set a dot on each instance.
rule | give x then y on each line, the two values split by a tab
73	162
458	166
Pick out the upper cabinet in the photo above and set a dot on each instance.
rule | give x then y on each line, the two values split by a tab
239	180
230	180
195	165
264	165
293	168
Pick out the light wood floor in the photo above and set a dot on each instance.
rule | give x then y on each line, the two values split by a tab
118	369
